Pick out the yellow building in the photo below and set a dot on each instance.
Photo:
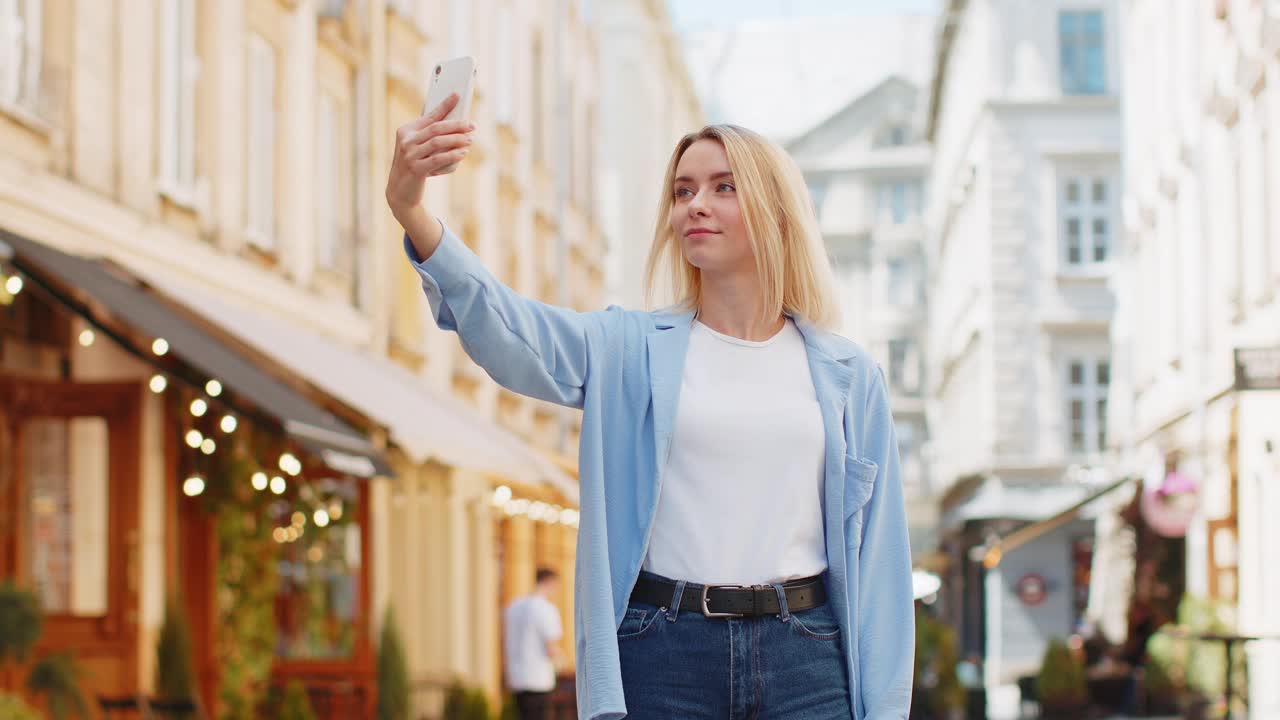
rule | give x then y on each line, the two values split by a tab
226	161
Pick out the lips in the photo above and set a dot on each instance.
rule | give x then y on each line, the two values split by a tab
697	232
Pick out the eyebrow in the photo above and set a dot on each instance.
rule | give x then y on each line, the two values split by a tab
716	176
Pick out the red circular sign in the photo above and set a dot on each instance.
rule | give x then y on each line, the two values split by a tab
1032	589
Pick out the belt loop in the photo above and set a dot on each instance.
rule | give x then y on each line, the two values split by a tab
676	596
785	612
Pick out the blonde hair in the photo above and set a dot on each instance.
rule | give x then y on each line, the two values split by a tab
791	260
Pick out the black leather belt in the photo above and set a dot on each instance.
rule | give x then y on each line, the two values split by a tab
731	600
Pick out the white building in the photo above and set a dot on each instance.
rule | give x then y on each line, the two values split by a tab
1024	115
1200	280
647	103
865	166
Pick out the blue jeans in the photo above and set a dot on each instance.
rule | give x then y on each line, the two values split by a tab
680	664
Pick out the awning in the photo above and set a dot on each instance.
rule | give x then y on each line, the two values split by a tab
111	299
424	423
996	550
995	499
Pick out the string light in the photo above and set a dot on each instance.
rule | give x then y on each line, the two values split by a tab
208	446
158	384
290	464
278	485
279	535
335	510
194	439
321	517
299	518
160	347
13	285
228	424
199	407
193	486
501	496
86	337
259	481
213	388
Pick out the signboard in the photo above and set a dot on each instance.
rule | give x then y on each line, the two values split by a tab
1032	589
1258	368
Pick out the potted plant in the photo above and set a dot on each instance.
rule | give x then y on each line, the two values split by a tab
54	676
393	673
1061	685
175	672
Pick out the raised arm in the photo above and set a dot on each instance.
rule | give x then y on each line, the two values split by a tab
527	346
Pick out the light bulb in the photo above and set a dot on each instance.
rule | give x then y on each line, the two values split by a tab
321	517
193	486
86	337
160	346
259	481
194	439
228	424
278	485
199	407
13	285
208	446
158	384
213	388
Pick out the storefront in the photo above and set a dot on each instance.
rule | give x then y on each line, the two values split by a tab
145	457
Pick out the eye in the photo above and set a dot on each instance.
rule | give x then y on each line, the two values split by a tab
722	186
681	192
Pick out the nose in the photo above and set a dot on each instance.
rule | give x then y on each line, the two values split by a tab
697	206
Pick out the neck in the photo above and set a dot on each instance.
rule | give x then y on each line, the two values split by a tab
731	305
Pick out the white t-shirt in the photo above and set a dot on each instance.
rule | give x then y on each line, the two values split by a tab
528	624
741	498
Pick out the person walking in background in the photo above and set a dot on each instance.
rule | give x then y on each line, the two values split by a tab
531	629
743	547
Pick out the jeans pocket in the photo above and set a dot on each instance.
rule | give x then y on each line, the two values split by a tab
638	622
818	623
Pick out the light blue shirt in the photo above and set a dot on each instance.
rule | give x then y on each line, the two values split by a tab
622	368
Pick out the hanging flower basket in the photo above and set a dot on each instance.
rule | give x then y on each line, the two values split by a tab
1169	507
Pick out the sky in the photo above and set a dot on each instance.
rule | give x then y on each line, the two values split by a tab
782	66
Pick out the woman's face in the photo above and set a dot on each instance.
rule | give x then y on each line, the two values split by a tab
705	214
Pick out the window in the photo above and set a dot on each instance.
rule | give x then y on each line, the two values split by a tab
333	219
178	98
817	193
65	463
504	82
893	136
1085	212
317	605
897	200
1087	384
21	42
261	184
904	365
901	284
1082	67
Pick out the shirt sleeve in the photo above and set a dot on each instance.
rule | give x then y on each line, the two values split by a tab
551	628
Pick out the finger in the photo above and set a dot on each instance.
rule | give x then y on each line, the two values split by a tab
438	112
434	164
440	144
444	127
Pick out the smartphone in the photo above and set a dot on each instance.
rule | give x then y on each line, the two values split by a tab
455	75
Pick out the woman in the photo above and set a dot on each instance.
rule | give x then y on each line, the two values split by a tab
742	547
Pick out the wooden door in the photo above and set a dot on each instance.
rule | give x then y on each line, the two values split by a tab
69	458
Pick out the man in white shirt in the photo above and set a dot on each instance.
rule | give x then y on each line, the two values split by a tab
531	628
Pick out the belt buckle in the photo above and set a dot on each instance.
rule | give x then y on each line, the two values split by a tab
707	611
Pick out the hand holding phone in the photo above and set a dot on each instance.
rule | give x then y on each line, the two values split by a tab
456	76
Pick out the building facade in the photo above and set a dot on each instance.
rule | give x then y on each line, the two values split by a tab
1198	284
647	103
865	167
1023	218
225	161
